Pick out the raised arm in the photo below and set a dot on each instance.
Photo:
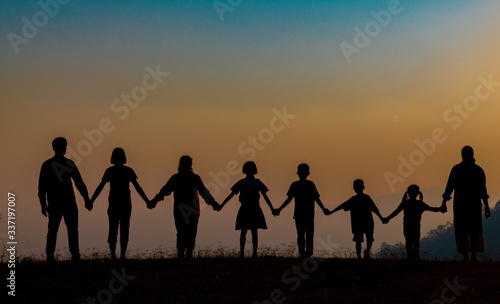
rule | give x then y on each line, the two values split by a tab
139	190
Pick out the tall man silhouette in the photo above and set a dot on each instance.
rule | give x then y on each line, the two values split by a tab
56	189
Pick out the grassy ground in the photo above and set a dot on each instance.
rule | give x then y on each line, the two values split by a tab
260	280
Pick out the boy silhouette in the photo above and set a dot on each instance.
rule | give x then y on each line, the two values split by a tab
361	206
305	193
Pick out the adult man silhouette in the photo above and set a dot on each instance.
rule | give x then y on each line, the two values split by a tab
57	198
469	183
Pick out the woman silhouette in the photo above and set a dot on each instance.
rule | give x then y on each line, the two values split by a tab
469	183
185	185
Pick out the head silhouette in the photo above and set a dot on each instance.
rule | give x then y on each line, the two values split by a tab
358	186
59	145
412	192
185	164
118	157
467	153
249	168
303	170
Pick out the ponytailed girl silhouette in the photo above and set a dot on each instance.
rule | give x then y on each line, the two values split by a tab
413	207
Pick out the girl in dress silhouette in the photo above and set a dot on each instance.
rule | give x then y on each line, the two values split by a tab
250	216
119	177
413	209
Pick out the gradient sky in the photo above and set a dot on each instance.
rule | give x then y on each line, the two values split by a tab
353	120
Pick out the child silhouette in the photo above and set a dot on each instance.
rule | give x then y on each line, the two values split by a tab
305	193
250	216
361	206
120	205
413	209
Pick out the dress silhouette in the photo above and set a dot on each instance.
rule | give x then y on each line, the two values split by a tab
119	177
413	209
250	215
469	183
185	185
305	193
361	206
57	197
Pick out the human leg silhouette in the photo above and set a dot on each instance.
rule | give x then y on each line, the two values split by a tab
71	220
358	249
55	217
255	242
309	238
243	236
124	232
301	241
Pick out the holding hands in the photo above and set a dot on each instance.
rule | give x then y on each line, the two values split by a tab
152	203
385	220
216	206
276	212
89	204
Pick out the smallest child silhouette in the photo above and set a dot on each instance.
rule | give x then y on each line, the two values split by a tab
413	209
119	177
361	206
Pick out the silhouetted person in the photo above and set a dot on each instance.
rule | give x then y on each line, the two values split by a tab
361	206
57	197
186	185
119	177
250	216
469	183
413	209
305	193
